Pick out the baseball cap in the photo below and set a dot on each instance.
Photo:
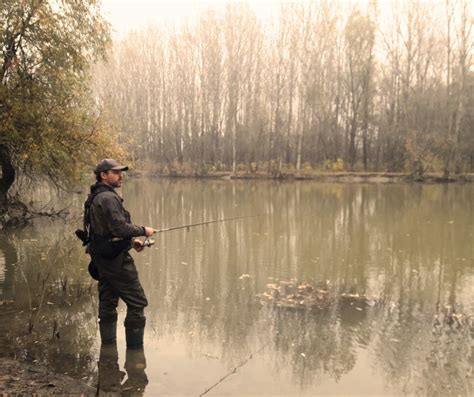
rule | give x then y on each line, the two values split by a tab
109	164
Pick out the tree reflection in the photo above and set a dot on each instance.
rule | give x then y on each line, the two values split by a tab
410	247
52	319
10	258
393	242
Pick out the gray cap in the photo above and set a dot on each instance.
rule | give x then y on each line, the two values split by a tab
109	164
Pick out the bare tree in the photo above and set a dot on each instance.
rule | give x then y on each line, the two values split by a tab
321	85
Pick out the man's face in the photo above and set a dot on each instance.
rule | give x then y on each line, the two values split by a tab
112	178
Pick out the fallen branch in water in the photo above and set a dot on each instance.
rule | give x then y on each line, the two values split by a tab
62	213
18	214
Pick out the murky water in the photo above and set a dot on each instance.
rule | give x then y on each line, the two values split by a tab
407	250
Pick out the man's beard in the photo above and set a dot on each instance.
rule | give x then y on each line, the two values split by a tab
115	184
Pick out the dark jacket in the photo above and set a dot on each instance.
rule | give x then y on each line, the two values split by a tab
108	217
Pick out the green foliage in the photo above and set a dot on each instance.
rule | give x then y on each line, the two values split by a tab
48	119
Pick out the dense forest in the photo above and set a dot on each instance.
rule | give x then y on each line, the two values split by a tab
323	87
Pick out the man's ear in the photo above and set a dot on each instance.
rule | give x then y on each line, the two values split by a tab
103	174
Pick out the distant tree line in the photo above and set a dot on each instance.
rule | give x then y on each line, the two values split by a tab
323	87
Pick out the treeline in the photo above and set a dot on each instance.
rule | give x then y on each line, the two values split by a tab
323	87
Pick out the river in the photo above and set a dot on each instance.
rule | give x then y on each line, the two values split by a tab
393	264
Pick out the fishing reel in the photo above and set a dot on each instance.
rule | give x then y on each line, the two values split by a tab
148	242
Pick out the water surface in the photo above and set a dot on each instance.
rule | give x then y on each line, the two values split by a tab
407	247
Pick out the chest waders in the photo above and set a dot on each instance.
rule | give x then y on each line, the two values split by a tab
117	276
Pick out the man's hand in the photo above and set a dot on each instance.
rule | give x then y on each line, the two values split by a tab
138	245
149	231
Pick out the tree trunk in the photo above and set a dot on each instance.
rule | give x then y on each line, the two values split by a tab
352	145
300	139
8	175
234	150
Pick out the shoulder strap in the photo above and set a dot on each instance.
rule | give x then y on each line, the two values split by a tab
87	209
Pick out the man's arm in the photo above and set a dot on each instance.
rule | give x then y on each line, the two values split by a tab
115	219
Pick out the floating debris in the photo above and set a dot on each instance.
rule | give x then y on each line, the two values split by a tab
210	356
293	295
243	276
449	317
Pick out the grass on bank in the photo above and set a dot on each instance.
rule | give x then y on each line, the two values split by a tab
330	171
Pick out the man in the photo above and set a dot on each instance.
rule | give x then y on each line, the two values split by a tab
111	235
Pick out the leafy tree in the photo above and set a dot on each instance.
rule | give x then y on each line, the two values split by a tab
49	123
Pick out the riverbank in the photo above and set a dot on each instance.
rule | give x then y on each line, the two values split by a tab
339	177
19	378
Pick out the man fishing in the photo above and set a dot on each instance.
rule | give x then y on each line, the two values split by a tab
110	234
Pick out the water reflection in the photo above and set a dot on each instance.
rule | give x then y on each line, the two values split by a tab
110	377
47	315
8	261
408	246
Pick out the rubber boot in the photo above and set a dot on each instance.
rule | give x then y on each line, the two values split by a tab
134	337
108	332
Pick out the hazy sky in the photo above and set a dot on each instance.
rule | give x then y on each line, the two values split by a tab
133	14
125	15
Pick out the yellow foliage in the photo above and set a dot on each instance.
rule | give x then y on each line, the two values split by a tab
51	124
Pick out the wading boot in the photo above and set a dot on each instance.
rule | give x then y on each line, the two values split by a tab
108	332
134	337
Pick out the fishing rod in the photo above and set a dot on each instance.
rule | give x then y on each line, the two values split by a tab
149	241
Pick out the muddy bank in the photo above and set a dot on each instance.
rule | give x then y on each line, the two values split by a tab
24	378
